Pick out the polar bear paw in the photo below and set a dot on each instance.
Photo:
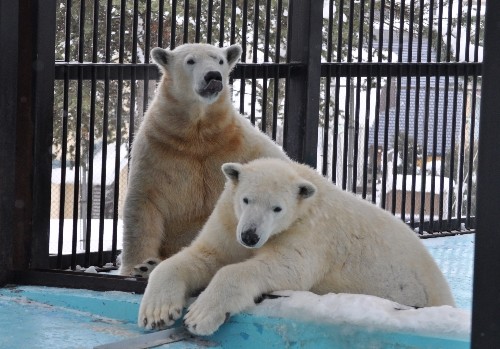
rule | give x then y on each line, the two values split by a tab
145	268
160	311
203	320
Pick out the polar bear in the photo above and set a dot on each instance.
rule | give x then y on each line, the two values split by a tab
190	129
279	225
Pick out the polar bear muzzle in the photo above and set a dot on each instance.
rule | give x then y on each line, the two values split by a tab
250	238
213	85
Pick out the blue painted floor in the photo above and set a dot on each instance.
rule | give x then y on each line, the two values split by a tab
38	317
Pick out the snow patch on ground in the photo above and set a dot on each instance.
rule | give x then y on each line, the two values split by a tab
371	312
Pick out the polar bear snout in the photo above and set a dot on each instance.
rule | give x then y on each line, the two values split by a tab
213	84
250	238
213	75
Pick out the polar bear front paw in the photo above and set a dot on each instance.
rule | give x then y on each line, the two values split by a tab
160	311
204	320
144	269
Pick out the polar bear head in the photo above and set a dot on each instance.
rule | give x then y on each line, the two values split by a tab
197	71
268	197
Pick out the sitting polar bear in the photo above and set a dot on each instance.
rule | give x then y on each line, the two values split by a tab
190	129
280	225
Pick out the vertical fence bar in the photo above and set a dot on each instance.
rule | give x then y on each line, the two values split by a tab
437	82
185	36
222	23
304	38
328	81
161	9
41	112
336	113
368	104
486	303
76	191
64	147
9	14
173	25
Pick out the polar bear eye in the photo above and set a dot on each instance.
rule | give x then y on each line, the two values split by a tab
245	200
221	62
190	61
277	209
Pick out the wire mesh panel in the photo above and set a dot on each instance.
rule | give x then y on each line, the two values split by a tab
400	90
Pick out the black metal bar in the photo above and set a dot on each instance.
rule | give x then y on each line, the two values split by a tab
173	25
64	136
9	22
96	282
233	22
486	303
336	69
336	111
347	121
197	22
277	58
90	151
367	127
276	91
461	154
443	152
76	189
256	15
366	169
222	23
209	19
161	9
304	38
471	169
185	36
452	148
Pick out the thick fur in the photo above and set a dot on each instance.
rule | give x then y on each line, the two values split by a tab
190	129
280	225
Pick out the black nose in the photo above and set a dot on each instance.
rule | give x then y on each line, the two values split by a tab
249	237
213	75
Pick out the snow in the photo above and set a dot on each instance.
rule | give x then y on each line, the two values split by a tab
94	236
97	166
371	312
418	183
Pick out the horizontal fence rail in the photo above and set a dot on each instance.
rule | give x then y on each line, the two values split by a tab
399	90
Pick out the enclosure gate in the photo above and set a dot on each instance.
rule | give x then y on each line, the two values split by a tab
382	97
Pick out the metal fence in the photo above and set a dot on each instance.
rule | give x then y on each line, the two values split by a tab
383	99
367	103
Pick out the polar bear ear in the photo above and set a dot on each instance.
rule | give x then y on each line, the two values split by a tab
232	171
306	189
233	54
160	56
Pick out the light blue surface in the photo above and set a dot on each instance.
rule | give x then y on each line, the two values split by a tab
41	317
455	257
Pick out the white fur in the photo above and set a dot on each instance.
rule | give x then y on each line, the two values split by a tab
323	240
188	132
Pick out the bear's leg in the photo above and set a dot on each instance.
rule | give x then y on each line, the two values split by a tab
146	268
172	281
236	286
142	237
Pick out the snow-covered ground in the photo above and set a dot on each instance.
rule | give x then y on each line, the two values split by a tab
372	313
67	236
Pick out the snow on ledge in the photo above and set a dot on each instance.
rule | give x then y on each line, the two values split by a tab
371	312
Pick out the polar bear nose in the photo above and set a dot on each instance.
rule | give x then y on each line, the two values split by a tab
249	237
213	75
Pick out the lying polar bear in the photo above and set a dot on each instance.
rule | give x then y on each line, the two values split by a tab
280	225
